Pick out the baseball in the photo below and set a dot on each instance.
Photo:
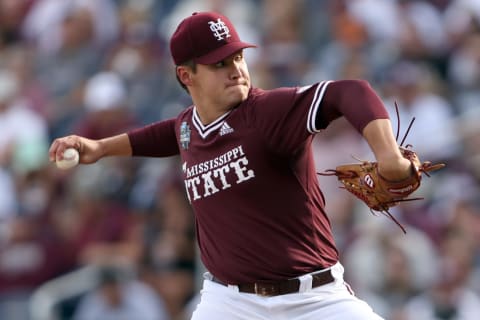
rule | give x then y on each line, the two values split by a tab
70	159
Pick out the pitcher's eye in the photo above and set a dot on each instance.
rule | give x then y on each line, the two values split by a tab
239	57
220	64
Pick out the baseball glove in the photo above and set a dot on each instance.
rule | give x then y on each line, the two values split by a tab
379	194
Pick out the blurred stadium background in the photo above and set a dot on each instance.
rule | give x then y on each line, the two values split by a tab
115	240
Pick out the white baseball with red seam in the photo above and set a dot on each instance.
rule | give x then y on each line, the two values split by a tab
70	159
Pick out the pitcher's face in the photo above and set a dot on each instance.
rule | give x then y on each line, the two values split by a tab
222	85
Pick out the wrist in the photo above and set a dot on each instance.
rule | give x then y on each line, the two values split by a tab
395	169
102	148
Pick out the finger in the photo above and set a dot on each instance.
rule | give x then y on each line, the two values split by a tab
58	147
60	150
64	144
53	150
61	144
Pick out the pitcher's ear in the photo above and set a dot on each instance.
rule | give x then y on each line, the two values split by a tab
184	75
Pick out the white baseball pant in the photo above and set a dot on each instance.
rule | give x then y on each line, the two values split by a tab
331	301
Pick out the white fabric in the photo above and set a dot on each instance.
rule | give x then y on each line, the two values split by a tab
330	301
305	283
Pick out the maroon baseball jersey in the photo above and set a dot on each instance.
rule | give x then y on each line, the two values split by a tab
251	180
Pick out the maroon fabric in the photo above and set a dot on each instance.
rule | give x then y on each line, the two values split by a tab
251	180
355	100
154	140
206	38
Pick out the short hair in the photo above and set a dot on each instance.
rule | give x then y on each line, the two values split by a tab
192	65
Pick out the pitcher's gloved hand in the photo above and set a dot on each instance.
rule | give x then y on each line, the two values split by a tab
379	194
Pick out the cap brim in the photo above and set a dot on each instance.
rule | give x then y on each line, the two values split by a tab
223	52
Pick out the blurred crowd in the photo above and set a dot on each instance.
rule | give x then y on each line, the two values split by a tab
101	67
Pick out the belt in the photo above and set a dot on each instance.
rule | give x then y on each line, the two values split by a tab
276	288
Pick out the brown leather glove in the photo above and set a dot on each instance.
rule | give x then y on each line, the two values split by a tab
379	194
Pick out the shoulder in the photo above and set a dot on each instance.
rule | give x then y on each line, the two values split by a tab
276	93
286	96
283	93
186	112
272	97
184	115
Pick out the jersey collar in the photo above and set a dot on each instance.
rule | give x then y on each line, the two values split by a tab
205	130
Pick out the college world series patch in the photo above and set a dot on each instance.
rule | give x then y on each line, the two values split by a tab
184	135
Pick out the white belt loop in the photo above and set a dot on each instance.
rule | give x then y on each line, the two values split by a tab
233	287
208	276
337	271
305	282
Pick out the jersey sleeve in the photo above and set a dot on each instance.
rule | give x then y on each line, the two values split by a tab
154	140
286	117
353	99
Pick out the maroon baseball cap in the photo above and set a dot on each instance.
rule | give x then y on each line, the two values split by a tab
205	38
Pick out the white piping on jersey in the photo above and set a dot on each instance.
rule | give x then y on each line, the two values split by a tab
304	88
312	112
203	130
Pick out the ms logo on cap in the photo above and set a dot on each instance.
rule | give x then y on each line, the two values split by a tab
205	38
219	29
